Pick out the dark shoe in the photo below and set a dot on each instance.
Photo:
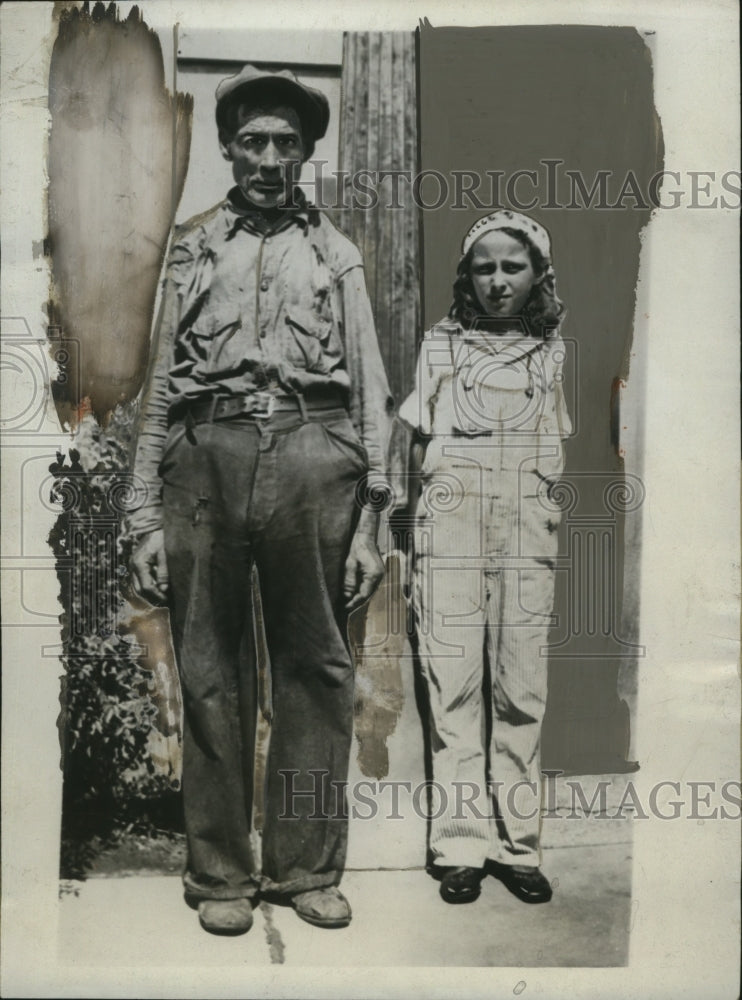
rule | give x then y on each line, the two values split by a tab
461	885
323	907
528	884
225	916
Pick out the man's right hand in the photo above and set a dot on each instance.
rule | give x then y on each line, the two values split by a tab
149	569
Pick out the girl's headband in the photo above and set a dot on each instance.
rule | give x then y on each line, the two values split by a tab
505	219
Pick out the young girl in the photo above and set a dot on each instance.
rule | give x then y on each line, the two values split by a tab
490	406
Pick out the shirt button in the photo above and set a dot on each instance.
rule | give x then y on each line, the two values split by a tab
263	286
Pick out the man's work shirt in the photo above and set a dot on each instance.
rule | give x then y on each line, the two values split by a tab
249	307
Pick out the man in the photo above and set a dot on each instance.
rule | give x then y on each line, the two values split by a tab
267	415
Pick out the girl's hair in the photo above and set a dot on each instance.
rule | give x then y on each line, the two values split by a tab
542	312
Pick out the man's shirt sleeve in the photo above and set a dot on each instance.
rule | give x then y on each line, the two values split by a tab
371	403
153	423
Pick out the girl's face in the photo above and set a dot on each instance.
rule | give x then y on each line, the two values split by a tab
502	274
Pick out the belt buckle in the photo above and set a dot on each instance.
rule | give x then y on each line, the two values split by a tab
265	404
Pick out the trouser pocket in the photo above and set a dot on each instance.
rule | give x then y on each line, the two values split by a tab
343	436
175	435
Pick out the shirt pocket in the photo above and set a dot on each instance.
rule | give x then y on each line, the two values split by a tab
213	344
307	337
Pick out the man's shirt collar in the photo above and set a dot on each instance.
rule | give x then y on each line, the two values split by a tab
239	213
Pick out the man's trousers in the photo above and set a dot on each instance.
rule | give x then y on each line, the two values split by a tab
278	494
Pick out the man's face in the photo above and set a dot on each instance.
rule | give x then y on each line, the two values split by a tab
264	151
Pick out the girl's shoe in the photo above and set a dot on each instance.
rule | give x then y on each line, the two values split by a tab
461	885
529	884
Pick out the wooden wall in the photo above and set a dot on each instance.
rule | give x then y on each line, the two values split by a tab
378	132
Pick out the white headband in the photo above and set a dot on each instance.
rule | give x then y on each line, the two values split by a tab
505	219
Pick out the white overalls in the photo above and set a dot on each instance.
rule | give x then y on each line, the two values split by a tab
483	582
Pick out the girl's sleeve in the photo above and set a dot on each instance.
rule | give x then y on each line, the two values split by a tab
416	410
557	354
563	417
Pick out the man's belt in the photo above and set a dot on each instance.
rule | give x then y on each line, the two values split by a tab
259	405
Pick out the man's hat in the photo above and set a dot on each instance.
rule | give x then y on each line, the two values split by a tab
256	85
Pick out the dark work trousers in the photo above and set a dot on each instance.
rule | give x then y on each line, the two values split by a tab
279	494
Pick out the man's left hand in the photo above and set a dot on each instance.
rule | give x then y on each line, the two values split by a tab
364	570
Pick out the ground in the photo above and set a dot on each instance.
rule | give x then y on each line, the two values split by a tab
130	910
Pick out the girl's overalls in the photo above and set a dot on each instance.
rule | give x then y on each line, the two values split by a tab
483	581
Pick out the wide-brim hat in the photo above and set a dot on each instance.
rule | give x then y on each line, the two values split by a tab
253	84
